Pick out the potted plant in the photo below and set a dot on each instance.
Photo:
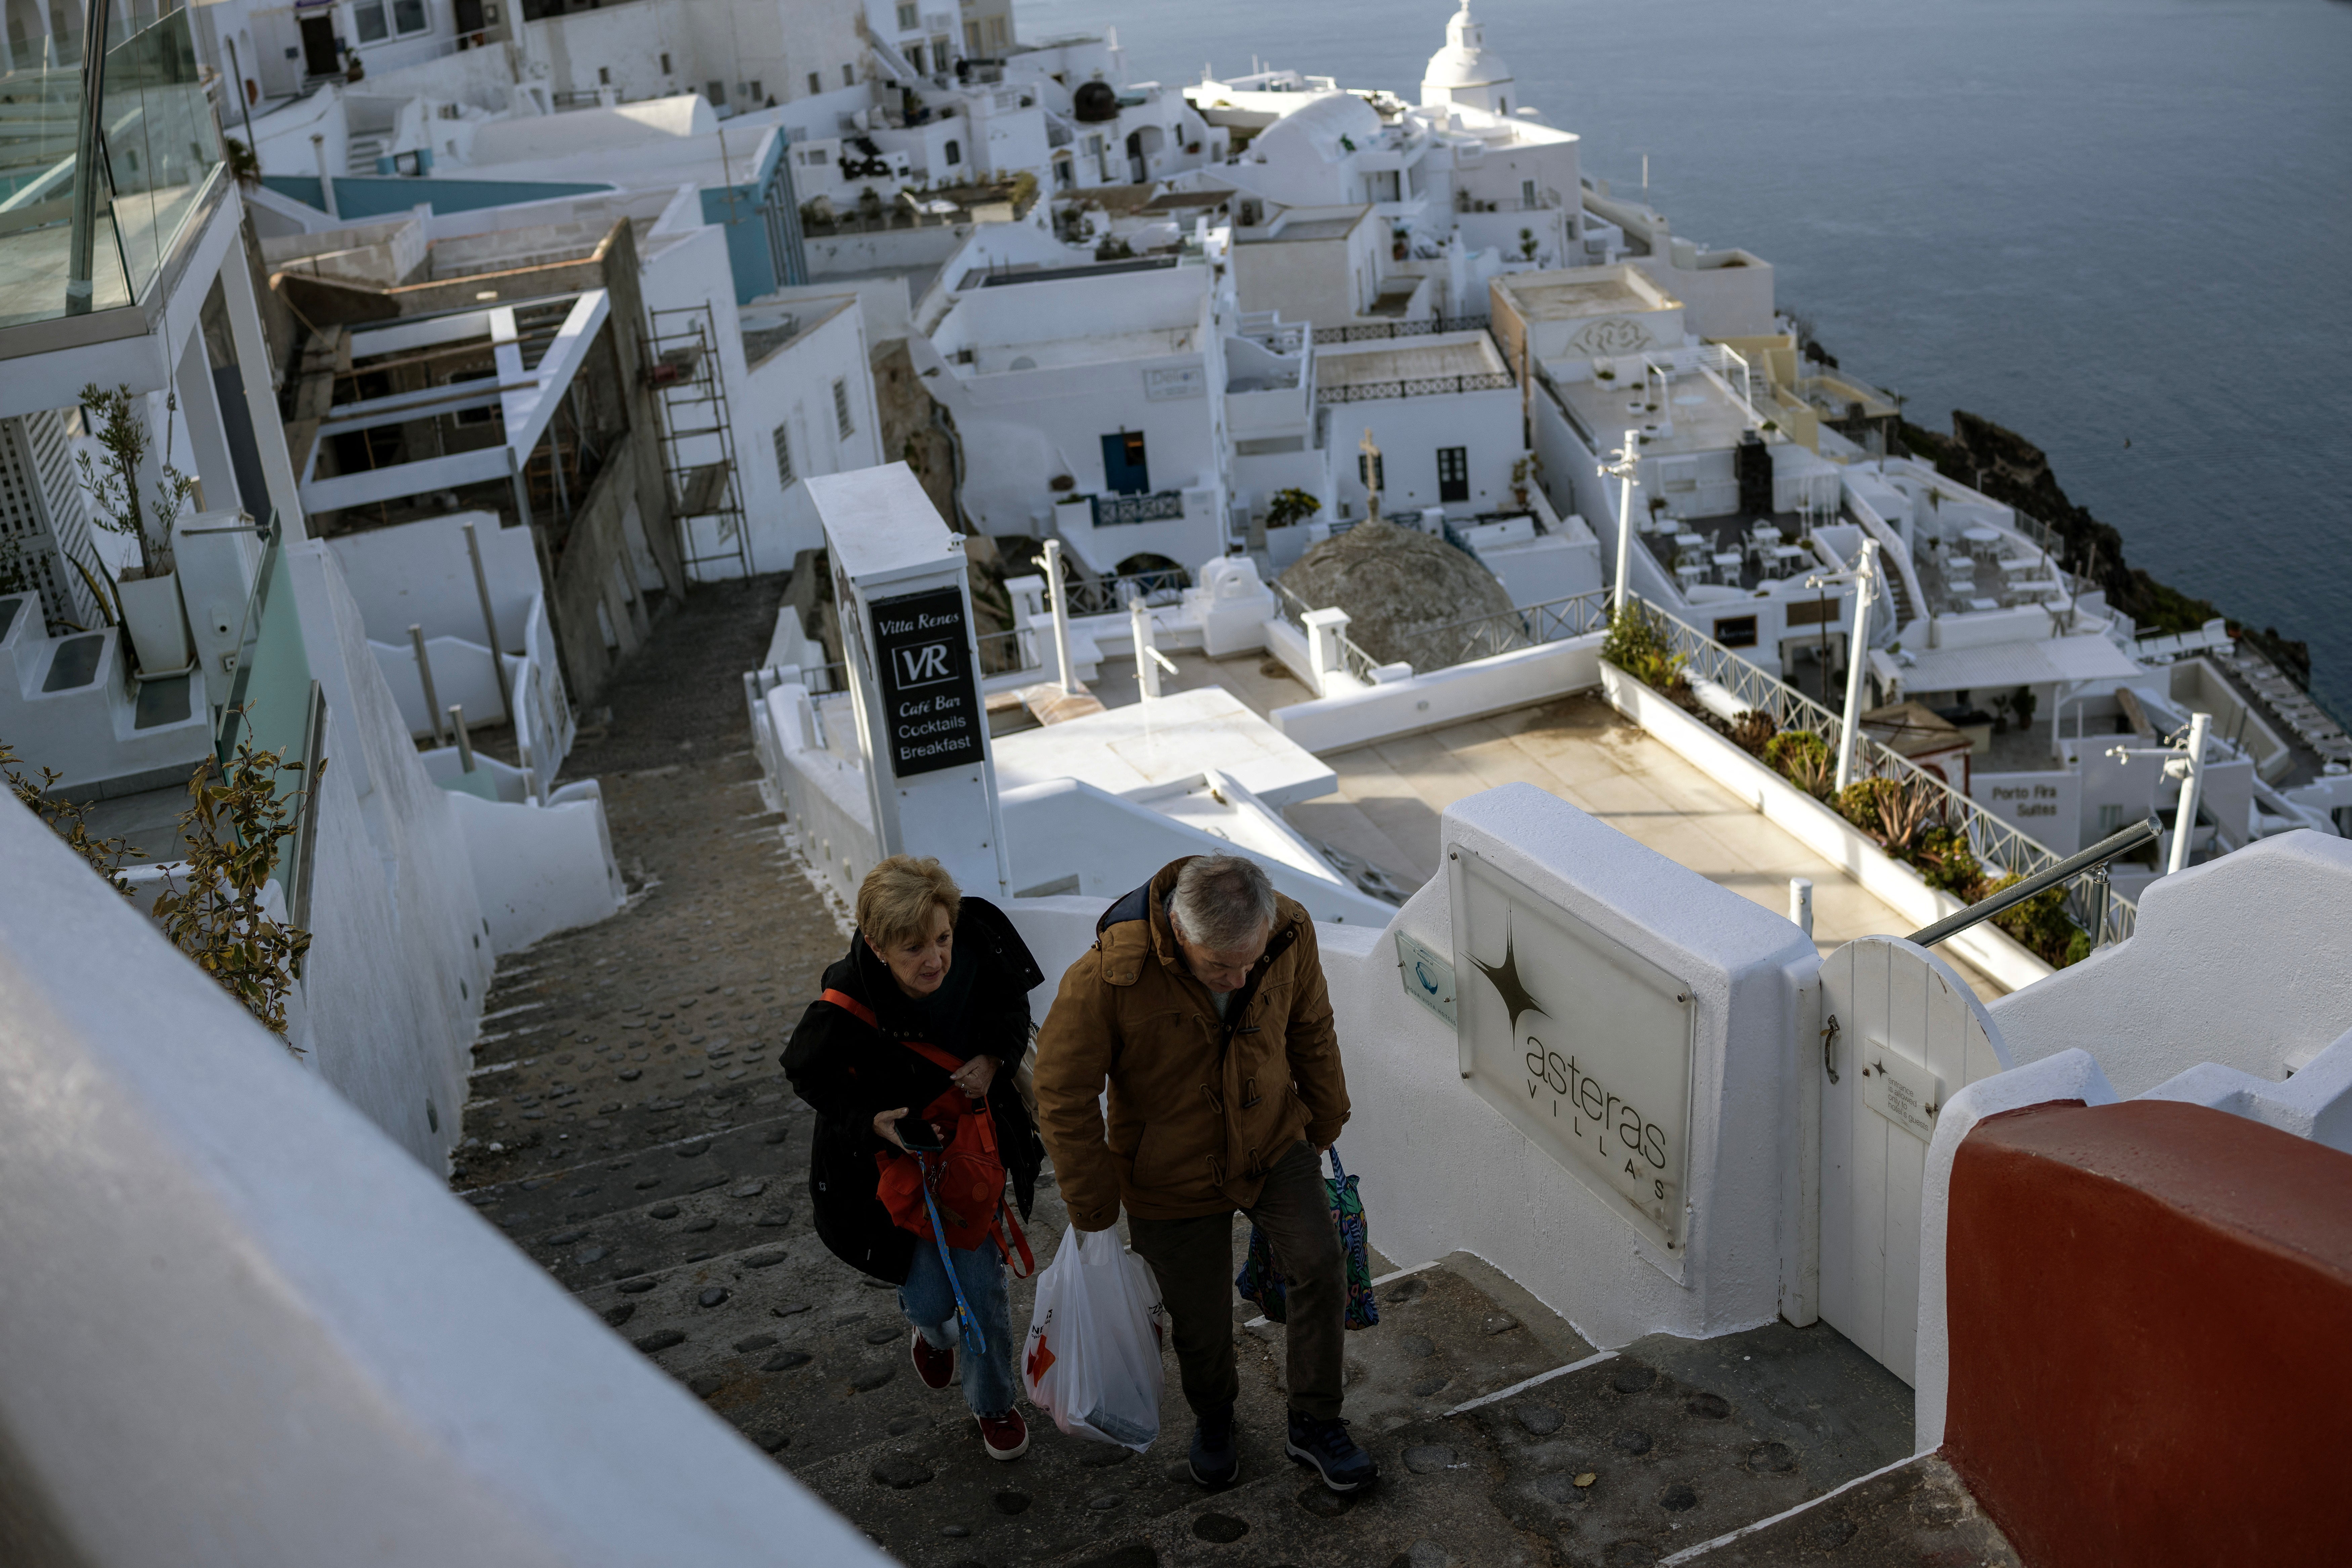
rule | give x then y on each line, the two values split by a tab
1290	506
147	594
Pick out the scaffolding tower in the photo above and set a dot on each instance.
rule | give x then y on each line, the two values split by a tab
698	435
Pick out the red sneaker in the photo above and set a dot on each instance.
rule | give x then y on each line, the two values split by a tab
1005	1437
935	1367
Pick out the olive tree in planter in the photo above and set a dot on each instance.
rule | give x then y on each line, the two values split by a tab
148	593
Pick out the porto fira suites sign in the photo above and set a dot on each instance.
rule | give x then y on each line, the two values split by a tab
1584	1044
932	706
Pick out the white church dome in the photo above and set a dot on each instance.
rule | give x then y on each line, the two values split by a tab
1465	61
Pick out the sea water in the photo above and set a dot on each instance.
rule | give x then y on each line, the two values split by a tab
2121	227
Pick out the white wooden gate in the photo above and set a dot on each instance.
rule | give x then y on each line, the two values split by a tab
1900	1033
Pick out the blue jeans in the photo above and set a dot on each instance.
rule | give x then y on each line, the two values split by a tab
929	1304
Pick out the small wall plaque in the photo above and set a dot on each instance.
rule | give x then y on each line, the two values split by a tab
1903	1091
1428	979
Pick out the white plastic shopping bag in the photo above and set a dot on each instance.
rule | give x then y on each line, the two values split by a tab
1092	1361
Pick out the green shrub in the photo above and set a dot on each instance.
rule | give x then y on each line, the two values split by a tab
1637	645
1803	759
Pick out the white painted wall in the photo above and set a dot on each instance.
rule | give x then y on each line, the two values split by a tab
539	869
1494	685
2241	962
418	574
203	1239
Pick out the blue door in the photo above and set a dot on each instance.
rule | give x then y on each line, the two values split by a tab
1123	471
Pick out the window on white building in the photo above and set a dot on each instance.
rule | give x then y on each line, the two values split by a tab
665	65
603	76
716	91
849	76
785	455
816	83
841	415
910	16
408	16
954	153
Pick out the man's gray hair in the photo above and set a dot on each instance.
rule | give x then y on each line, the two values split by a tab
1221	902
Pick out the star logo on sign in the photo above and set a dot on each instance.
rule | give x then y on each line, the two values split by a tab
1505	978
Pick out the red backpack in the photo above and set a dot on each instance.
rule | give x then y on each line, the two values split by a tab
966	1178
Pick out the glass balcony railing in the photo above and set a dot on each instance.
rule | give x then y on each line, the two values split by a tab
272	700
103	162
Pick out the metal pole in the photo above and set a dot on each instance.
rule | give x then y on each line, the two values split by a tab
326	176
244	105
2193	776
1801	903
425	675
490	629
465	741
90	159
1138	620
1865	580
2099	922
1623	468
1053	565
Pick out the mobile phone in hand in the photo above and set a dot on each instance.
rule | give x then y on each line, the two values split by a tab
917	1134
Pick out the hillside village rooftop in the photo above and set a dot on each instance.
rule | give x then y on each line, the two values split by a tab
1438	356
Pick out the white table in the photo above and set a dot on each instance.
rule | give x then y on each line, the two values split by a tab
1688	574
1982	605
1727	566
1980	540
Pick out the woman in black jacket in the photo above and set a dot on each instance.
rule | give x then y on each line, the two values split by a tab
927	965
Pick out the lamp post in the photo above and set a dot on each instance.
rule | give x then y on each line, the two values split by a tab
1864	577
1626	464
2187	765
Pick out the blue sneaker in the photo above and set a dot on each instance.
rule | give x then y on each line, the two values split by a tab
1216	1459
1325	1444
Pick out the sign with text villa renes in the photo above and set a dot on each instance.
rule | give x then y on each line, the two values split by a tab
931	705
1581	1042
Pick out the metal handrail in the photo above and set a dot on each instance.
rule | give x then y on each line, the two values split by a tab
1110	595
1993	841
1554	620
1006	653
2094	858
1413	386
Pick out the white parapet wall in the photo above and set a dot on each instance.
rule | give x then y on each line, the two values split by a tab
539	870
1422	701
1078	838
2245	961
225	1281
822	793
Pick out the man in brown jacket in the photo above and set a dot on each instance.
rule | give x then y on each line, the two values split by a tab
1203	1003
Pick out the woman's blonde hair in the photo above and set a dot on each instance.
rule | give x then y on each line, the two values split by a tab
895	901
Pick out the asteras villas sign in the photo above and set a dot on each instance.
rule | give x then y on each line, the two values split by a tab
1581	1042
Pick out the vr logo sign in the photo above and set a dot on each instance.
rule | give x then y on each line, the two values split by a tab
926	665
930	711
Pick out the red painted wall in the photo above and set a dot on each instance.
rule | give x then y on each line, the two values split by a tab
2150	1312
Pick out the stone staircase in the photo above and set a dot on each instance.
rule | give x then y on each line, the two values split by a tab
630	1131
1503	1436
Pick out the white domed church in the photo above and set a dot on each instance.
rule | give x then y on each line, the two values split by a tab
1465	71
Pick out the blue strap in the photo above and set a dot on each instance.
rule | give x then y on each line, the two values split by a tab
973	1336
